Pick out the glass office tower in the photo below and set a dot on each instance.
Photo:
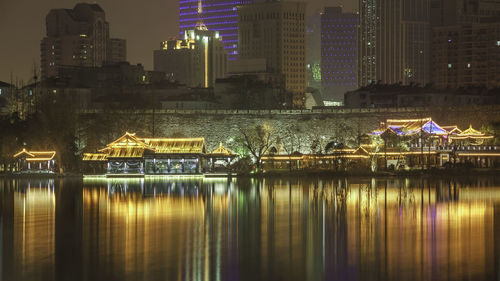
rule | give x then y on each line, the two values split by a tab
216	15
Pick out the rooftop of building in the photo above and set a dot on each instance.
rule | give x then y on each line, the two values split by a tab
4	84
78	12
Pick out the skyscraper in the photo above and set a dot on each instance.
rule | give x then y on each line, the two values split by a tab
313	50
196	61
453	12
394	42
215	15
276	32
466	55
77	37
338	53
465	43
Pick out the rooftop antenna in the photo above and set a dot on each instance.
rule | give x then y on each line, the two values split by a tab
200	25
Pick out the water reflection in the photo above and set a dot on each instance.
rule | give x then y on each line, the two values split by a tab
269	229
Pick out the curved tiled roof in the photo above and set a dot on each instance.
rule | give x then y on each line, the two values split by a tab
221	150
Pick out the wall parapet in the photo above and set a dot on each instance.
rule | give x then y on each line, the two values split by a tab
488	108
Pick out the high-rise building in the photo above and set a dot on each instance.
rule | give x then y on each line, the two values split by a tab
465	43
338	53
313	50
394	42
466	55
216	15
196	61
75	37
452	12
117	50
276	32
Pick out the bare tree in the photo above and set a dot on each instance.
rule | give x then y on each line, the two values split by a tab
257	140
377	143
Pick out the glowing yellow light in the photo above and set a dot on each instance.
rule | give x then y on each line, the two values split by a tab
206	64
221	150
478	154
36	155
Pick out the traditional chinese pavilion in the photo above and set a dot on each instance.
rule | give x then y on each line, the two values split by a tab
426	127
35	162
131	155
430	144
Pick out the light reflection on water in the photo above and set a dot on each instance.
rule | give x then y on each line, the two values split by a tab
270	229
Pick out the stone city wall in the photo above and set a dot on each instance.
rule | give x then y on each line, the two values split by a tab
304	126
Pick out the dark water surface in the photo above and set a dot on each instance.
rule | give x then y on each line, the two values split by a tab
271	229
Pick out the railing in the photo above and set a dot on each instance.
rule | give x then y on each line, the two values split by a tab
470	148
459	148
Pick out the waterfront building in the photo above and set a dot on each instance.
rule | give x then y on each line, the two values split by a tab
394	42
338	160
215	15
399	144
34	162
130	155
197	60
78	37
338	53
424	143
276	31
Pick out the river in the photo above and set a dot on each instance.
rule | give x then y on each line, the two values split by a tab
287	228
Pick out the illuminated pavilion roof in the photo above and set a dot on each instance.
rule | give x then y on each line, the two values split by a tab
452	129
176	145
131	146
409	127
35	155
127	146
95	157
221	150
471	133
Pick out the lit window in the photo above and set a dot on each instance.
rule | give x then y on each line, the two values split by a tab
468	65
0	92
498	43
450	65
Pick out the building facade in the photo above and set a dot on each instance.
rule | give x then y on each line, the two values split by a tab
77	37
6	98
417	97
466	55
215	15
338	53
276	31
394	42
196	61
131	155
117	50
313	50
34	162
453	12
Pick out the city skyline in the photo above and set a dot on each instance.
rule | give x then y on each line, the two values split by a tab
22	51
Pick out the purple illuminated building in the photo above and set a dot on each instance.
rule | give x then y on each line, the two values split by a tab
216	15
338	53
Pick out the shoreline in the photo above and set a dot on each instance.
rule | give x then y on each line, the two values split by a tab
309	173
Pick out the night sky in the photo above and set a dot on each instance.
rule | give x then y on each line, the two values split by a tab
143	23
